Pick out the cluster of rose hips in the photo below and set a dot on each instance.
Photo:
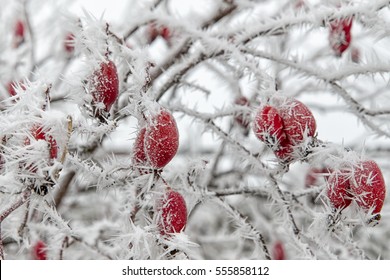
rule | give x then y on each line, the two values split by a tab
286	125
155	146
361	182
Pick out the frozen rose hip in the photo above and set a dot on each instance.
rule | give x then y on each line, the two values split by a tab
298	120
340	35
11	87
139	156
284	126
19	33
39	251
38	133
161	139
104	86
172	213
268	127
368	186
278	251
339	190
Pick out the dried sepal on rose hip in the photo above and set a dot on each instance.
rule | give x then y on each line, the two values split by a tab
340	34
284	125
171	213
363	183
161	140
368	186
39	251
104	87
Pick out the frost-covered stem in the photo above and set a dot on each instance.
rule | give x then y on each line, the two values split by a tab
295	228
177	77
287	205
360	110
64	245
58	81
186	44
64	188
1	246
25	219
24	197
32	39
260	238
141	196
134	29
240	191
91	247
217	157
68	135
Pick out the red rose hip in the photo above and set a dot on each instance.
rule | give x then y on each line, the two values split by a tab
278	251
139	156
339	190
39	251
368	186
19	33
297	119
268	127
171	213
105	86
38	133
340	35
161	139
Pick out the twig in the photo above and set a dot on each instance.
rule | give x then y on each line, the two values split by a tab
1	246
243	219
25	219
24	197
65	244
93	248
63	188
